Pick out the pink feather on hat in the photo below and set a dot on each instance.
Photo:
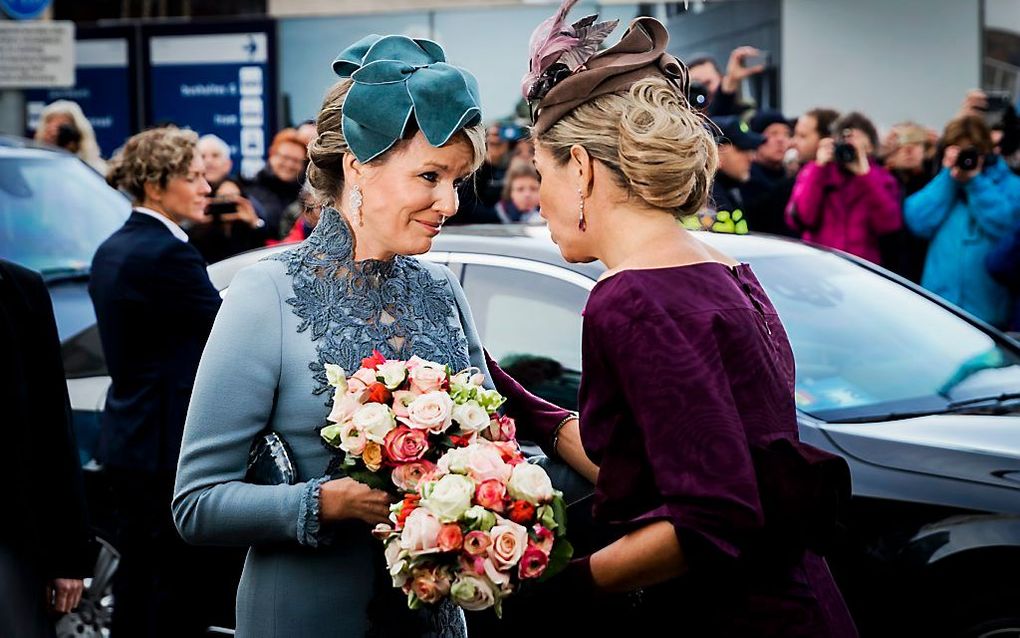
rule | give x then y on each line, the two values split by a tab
573	46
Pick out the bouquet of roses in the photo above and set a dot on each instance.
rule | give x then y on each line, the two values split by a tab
476	518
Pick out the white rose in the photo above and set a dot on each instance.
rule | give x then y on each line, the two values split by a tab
421	533
432	411
344	406
530	483
375	420
472	592
336	377
471	417
393	374
449	497
396	561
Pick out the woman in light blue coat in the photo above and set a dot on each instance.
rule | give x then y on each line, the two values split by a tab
394	143
965	213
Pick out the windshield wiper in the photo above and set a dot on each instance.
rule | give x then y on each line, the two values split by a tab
998	398
952	406
65	273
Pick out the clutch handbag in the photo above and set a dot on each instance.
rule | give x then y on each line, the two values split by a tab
270	461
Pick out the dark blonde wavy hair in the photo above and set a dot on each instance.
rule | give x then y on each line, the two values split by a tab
152	157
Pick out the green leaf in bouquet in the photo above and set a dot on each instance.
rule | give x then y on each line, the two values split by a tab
444	440
559	508
560	555
413	602
478	519
331	434
375	480
497	606
547	517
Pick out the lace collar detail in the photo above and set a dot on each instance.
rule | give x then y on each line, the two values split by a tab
353	307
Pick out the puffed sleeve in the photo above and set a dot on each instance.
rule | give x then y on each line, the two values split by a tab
231	403
673	379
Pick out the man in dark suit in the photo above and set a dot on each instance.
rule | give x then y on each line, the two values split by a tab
155	307
46	546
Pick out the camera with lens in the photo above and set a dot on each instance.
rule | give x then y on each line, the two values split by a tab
845	152
68	137
697	95
967	159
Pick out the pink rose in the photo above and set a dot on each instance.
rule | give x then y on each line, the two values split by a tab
499	578
502	428
451	538
421	533
481	461
404	445
427	377
490	494
544	539
430	585
408	475
352	439
509	540
477	543
432	412
533	563
344	407
361	380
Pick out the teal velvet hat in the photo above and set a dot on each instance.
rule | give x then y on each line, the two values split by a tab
397	78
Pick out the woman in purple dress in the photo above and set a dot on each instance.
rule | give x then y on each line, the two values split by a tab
716	512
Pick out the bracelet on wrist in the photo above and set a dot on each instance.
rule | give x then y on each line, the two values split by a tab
559	427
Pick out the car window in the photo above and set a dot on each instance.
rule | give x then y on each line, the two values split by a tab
531	325
865	344
54	213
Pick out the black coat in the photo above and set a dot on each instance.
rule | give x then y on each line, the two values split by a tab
273	196
155	307
45	521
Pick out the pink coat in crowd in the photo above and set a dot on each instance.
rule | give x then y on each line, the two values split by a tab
836	208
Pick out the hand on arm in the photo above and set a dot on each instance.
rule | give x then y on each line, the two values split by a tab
345	498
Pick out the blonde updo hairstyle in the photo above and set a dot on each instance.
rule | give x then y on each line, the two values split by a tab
326	152
655	145
155	156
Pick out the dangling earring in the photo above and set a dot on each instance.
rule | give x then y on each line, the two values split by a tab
582	225
355	204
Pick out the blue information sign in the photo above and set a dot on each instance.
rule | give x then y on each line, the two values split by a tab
215	83
24	9
102	89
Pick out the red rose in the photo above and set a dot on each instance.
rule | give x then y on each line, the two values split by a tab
378	393
410	504
522	512
461	441
490	494
376	360
451	537
533	563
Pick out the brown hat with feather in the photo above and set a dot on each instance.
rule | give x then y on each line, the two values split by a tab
566	71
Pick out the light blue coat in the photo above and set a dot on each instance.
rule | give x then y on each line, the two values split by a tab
262	366
964	222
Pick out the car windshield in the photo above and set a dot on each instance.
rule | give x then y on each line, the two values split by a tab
868	346
54	213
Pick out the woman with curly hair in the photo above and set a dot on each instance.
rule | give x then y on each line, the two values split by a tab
154	306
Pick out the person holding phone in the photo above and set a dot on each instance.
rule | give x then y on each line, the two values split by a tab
721	91
969	206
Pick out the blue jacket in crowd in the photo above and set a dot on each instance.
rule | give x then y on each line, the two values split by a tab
1004	265
964	222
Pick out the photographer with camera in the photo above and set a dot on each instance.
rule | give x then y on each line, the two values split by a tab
63	124
844	199
231	224
966	209
718	94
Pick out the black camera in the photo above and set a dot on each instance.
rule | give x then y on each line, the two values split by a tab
218	207
967	159
697	95
845	153
68	136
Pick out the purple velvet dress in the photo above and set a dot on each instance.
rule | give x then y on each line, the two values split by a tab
686	369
